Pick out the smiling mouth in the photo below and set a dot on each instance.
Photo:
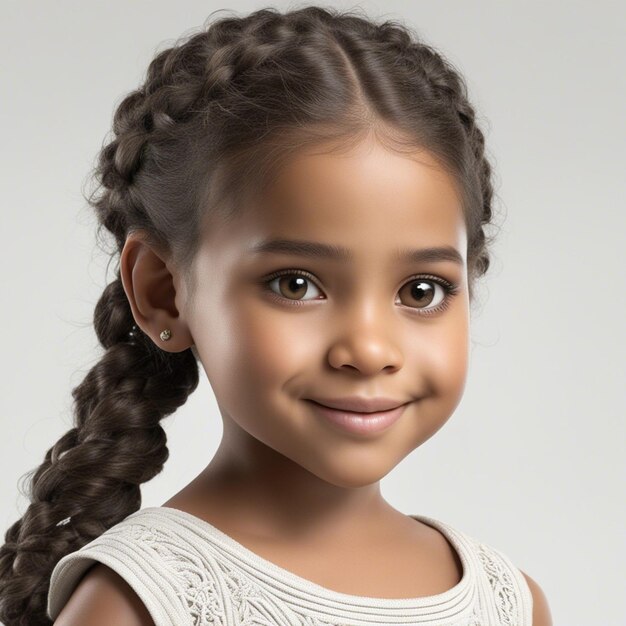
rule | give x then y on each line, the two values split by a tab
363	424
360	404
364	414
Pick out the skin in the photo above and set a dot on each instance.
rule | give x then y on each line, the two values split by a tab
283	466
282	476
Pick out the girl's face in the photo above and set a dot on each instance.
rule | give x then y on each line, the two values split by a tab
372	324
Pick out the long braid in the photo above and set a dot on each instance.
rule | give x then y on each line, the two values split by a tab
90	478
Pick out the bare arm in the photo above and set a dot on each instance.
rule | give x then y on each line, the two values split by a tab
103	598
541	611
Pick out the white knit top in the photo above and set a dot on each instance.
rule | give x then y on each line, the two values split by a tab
188	572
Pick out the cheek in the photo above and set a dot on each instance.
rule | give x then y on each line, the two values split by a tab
438	356
268	347
449	359
439	353
261	352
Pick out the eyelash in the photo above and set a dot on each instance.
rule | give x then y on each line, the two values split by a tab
450	289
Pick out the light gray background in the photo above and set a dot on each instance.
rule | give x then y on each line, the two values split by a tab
530	462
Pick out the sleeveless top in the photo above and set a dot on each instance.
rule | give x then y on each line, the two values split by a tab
187	572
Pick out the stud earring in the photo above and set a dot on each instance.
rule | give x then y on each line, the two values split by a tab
166	334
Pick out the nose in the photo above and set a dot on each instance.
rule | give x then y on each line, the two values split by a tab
365	343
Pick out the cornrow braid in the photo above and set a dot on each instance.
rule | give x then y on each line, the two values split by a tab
450	84
217	112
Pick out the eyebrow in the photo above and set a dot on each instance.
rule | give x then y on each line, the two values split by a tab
317	250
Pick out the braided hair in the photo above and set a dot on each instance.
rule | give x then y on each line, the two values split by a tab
216	113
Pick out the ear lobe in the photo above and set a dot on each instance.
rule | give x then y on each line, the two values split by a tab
150	288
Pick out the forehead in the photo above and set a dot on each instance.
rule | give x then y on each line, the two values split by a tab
369	199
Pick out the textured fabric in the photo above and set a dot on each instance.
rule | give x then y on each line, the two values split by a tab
189	573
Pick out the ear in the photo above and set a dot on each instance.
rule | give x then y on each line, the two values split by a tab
150	287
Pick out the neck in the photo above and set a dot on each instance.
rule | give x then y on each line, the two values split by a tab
272	496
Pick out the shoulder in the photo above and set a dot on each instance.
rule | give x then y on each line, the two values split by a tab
101	598
541	611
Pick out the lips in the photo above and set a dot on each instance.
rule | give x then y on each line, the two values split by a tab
367	424
359	404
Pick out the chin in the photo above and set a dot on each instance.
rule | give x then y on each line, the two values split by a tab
361	470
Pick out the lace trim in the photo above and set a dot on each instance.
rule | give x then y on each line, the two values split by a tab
195	587
200	588
501	582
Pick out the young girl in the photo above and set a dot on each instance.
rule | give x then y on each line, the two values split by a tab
299	202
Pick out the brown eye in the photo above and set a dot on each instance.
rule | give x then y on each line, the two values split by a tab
292	286
421	293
